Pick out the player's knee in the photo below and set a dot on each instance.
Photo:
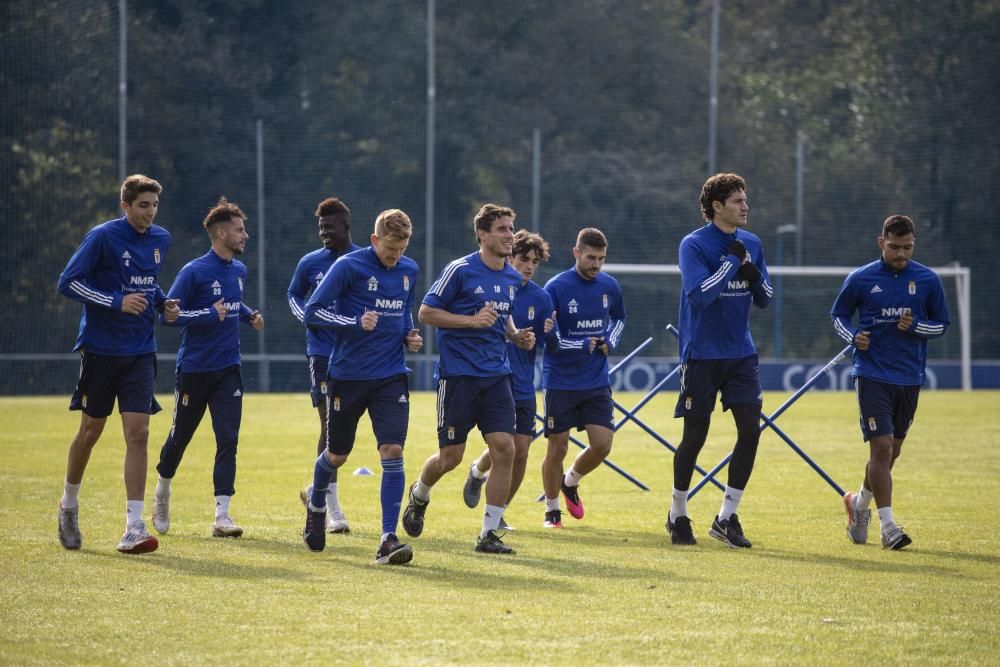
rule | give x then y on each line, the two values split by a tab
521	452
881	449
449	458
389	452
90	431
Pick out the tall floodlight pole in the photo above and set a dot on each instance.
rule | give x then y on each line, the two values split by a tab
713	89
265	364
429	168
800	195
536	179
122	87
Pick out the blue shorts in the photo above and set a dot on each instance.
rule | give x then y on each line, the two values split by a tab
464	401
568	408
104	378
524	417
885	408
318	381
703	379
387	401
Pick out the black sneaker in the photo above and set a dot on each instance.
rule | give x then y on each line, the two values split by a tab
393	552
473	489
553	519
413	515
492	544
730	532
314	534
680	531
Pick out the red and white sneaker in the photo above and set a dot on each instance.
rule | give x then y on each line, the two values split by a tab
137	540
573	503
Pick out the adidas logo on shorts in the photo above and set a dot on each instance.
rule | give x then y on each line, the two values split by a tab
402	399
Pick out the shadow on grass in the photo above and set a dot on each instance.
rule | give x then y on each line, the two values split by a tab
901	562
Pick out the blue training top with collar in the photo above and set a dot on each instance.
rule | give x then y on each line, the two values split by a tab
308	274
464	287
208	344
585	309
880	296
114	260
357	283
532	307
714	320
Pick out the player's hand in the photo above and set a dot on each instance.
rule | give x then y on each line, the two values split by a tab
737	249
550	323
220	309
369	320
905	320
256	320
134	304
750	272
485	318
599	343
524	339
861	340
171	310
414	341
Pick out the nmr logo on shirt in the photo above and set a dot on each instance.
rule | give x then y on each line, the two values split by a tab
389	303
142	280
589	324
499	306
739	284
895	312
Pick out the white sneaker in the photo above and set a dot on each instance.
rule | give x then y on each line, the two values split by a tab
137	540
336	522
161	514
224	527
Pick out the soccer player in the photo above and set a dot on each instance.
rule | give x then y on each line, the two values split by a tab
900	305
722	273
113	273
470	305
532	308
335	234
367	298
590	320
210	290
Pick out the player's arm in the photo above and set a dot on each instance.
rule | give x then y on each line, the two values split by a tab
321	308
937	320
702	286
523	338
841	313
183	291
298	291
73	280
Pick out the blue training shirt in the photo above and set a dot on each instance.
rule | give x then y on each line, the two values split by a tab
531	308
880	296
586	309
114	260
308	274
715	302
357	283
208	344
464	287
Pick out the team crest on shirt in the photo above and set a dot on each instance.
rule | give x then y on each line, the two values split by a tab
531	312
604	300
184	400
510	290
451	432
156	255
406	283
872	424
336	403
913	287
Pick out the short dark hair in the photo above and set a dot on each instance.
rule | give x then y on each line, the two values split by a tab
490	212
898	225
136	184
718	188
335	207
525	242
224	211
592	238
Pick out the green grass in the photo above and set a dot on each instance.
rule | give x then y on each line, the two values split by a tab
606	590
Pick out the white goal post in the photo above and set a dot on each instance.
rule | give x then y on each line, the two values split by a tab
961	274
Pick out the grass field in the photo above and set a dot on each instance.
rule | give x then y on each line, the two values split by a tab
606	590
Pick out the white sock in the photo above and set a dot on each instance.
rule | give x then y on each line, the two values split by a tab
885	517
421	491
222	506
477	473
331	495
572	477
679	506
863	500
384	536
730	501
551	504
491	519
163	487
71	495
133	512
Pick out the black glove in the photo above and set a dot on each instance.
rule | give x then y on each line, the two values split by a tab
750	272
736	248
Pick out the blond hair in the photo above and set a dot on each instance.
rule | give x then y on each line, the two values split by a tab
393	225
